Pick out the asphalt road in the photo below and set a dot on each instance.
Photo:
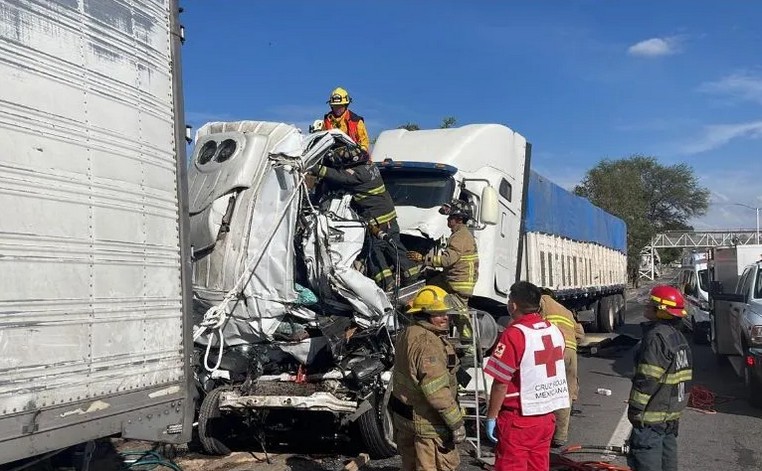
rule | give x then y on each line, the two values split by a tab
729	439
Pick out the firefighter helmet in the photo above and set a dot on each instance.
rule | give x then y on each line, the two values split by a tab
669	302
339	97
430	300
347	156
458	208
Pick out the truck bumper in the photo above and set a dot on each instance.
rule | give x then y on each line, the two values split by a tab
318	402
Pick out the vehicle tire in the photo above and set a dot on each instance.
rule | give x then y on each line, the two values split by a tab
210	426
607	314
621	307
376	427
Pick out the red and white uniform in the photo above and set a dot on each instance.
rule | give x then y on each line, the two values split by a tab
529	359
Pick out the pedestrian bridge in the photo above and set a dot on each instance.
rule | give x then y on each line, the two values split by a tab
690	240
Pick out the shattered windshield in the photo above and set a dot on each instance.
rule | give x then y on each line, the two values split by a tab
419	189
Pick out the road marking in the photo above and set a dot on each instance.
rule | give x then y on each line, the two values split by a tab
621	433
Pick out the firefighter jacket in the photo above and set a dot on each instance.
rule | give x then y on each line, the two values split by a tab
460	261
424	383
369	196
555	313
353	125
663	366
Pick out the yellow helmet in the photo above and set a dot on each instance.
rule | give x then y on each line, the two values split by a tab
430	299
339	97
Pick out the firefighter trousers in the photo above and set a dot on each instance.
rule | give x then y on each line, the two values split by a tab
425	454
523	442
572	380
653	448
386	254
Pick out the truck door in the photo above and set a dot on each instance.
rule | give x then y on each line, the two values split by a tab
725	314
507	246
738	307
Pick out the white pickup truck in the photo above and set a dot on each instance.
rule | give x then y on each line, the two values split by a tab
737	327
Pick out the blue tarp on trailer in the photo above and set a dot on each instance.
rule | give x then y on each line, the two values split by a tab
552	210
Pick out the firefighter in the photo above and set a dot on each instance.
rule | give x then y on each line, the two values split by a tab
427	419
663	366
340	117
349	169
459	261
555	313
529	384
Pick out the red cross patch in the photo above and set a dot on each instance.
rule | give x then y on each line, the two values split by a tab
499	350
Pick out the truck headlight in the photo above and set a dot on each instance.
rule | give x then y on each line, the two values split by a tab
756	334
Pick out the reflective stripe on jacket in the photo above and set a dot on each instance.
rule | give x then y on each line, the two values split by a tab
460	261
352	124
555	313
424	381
663	367
369	195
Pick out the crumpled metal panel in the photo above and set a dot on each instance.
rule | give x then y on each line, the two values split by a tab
256	255
90	298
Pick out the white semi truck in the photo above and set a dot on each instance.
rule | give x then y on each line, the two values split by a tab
289	326
94	259
537	231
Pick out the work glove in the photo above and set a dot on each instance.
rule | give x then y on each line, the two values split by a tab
459	435
490	426
414	256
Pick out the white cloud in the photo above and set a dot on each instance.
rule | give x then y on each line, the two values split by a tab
717	135
656	47
742	85
731	190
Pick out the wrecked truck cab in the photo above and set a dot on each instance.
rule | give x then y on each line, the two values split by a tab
284	320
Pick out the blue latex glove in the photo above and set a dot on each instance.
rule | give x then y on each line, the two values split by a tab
490	425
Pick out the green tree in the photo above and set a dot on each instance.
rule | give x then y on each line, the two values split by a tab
448	122
409	126
650	197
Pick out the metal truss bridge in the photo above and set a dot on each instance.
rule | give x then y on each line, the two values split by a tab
690	240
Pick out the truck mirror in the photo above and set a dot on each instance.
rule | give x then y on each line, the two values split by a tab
488	212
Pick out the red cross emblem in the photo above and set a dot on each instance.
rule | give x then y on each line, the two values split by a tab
548	356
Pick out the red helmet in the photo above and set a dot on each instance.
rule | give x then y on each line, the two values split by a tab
669	301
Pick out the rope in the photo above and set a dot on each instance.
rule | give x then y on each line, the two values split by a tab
216	317
703	399
147	460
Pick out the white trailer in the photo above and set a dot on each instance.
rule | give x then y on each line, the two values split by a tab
94	337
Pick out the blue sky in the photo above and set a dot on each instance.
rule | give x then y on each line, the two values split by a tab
582	80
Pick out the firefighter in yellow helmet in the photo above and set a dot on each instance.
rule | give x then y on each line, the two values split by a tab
459	263
340	117
428	421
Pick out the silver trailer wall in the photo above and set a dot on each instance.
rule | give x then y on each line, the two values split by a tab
93	277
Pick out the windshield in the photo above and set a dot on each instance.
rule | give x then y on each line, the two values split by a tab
419	189
704	280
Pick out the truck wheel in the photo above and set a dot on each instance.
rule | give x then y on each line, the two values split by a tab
607	314
620	309
376	427
210	424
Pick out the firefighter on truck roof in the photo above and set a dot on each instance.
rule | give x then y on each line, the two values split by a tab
340	117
